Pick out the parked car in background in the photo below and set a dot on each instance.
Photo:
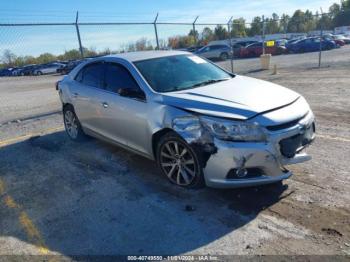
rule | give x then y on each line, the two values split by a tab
5	72
193	49
256	49
338	42
47	69
222	52
310	44
27	70
244	43
200	123
292	41
69	67
241	44
281	42
342	38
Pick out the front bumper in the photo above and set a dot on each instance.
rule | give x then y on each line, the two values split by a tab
264	161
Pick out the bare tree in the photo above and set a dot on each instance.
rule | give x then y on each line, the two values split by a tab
8	57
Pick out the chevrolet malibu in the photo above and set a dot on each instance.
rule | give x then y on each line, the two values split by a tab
200	123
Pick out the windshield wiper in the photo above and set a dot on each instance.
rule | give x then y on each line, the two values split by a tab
208	82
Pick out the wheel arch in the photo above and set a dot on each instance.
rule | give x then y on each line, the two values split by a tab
156	136
66	105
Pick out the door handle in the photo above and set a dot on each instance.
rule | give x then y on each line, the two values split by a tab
104	104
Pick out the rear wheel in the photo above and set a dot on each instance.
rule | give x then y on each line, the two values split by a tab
224	56
179	161
72	124
39	73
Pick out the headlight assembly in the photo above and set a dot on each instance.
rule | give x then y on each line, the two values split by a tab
186	124
233	130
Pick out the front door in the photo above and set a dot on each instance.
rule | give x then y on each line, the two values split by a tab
125	113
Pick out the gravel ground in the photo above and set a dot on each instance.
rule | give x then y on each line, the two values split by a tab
60	197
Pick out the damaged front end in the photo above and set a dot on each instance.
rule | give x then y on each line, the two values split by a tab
244	153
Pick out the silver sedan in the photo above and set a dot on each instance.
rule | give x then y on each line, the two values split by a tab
202	124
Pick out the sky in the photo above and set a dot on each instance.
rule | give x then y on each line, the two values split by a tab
57	39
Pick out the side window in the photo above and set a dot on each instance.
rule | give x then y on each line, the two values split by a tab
92	75
119	80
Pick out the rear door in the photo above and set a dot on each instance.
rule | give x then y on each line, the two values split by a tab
86	95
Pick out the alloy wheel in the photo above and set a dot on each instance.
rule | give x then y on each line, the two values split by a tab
71	124
178	163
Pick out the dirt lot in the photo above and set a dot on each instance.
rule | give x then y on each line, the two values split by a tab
60	197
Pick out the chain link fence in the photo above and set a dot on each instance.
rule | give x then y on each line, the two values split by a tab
301	41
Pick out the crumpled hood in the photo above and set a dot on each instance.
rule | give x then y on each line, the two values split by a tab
240	97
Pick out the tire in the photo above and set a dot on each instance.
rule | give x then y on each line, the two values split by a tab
72	125
223	56
179	162
39	73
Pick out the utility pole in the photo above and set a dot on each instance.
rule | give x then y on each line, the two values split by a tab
194	31
263	33
78	34
231	46
155	30
321	35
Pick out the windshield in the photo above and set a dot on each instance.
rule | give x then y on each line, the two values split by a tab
174	73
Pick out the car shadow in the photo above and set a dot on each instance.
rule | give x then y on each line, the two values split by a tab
96	199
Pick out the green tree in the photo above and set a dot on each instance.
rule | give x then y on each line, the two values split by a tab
284	23
206	36
238	28
70	55
272	24
334	10
256	26
342	18
325	22
194	34
45	58
220	33
297	22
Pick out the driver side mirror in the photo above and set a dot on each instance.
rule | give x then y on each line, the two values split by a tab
132	93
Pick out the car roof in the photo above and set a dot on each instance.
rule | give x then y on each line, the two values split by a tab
145	55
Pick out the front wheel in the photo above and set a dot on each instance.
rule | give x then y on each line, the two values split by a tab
179	161
223	56
72	124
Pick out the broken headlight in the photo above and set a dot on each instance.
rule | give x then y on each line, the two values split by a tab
187	124
233	130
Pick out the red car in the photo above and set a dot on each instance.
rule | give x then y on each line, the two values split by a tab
256	49
338	42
